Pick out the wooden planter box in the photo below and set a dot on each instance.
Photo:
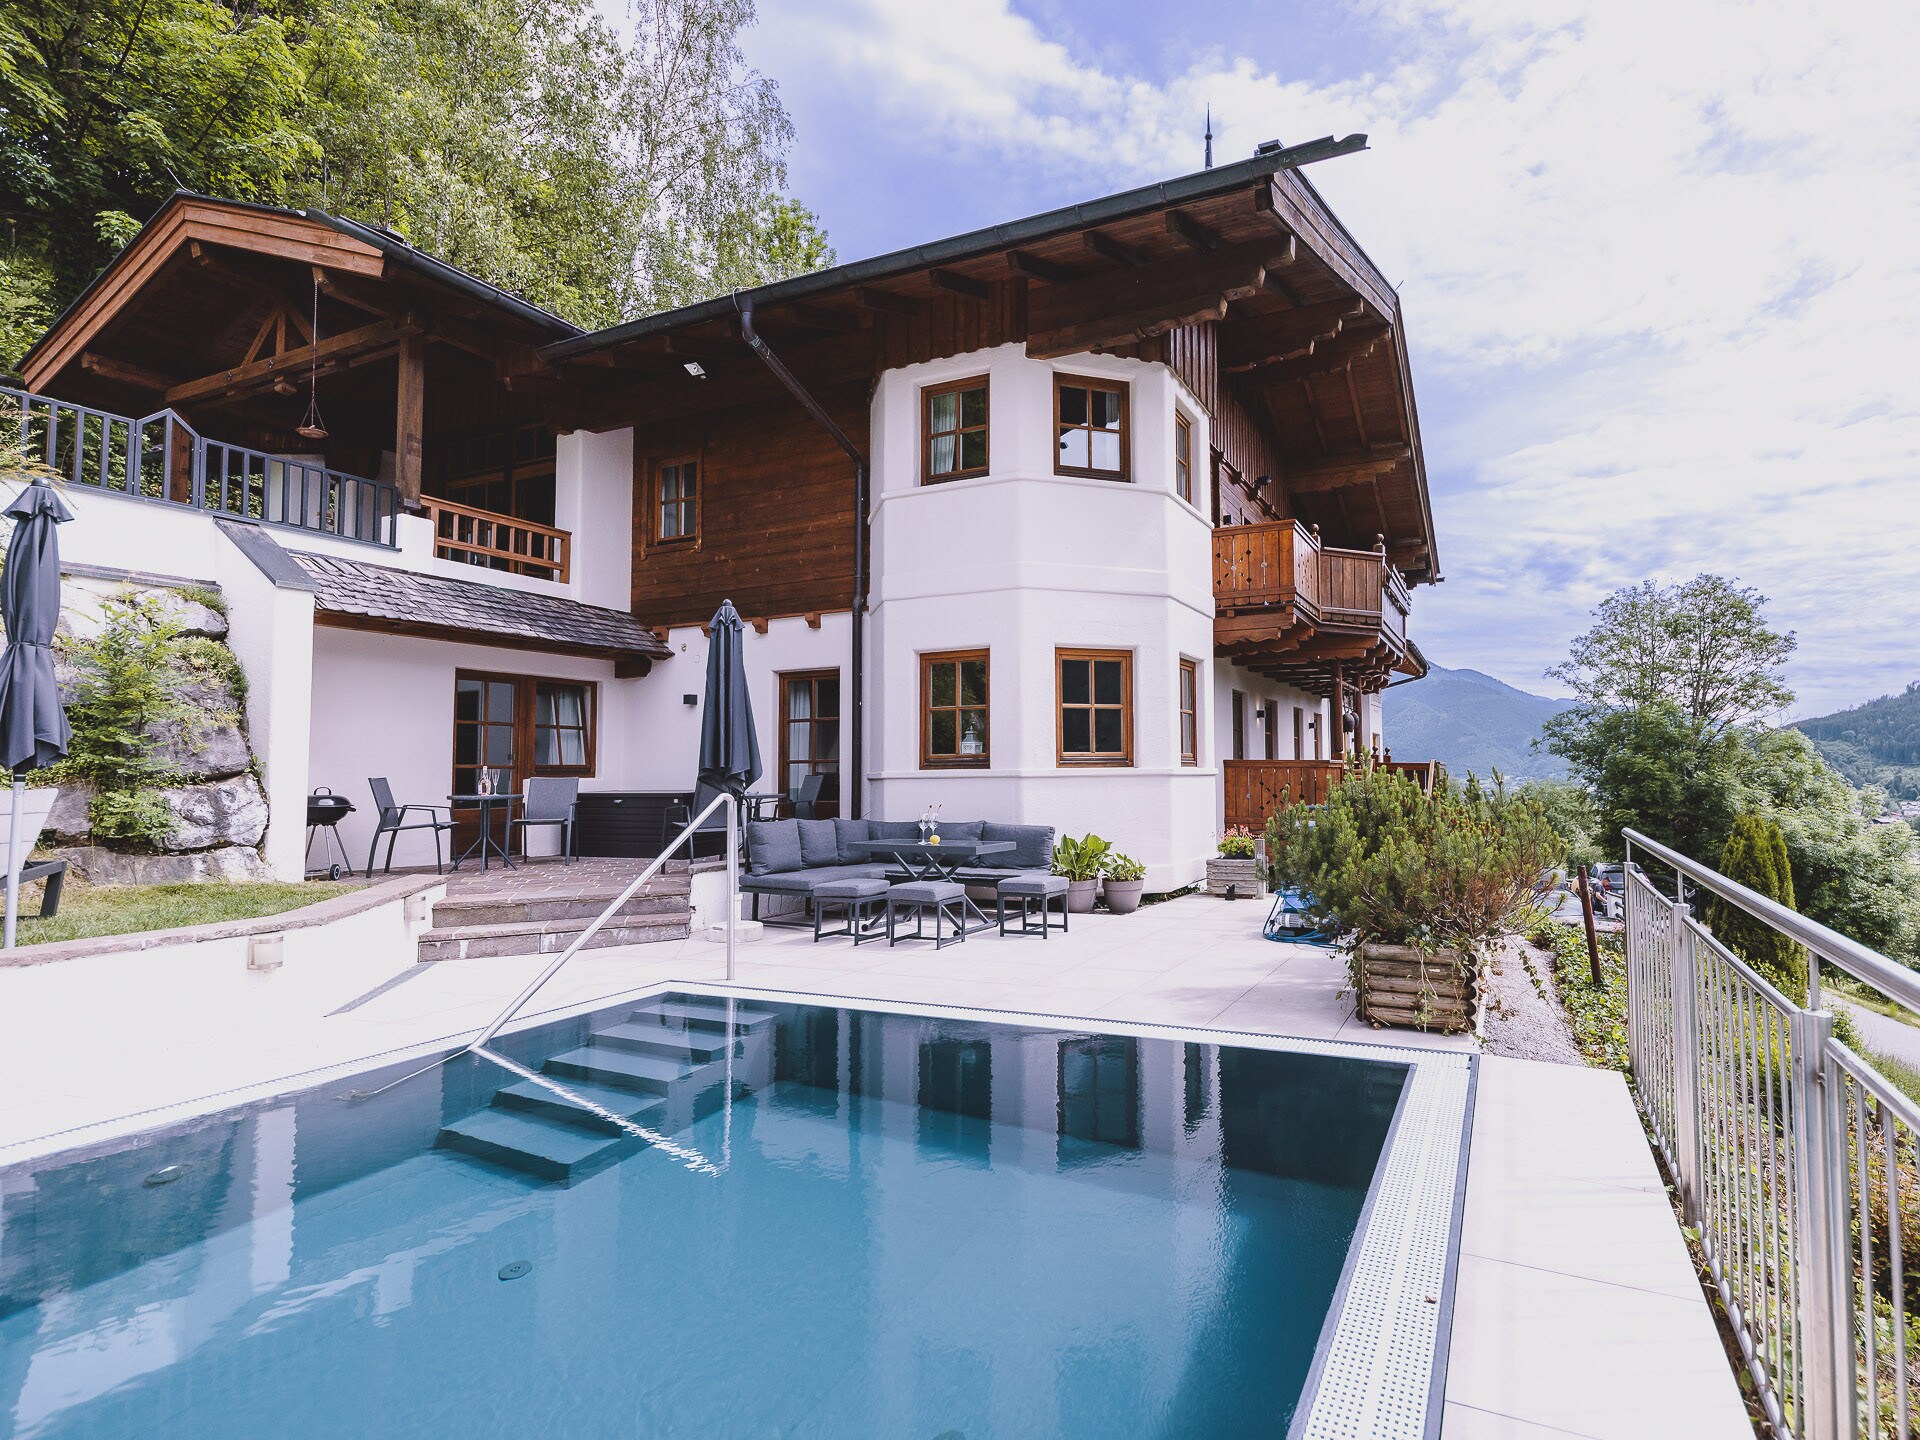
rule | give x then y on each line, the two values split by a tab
1400	985
1243	875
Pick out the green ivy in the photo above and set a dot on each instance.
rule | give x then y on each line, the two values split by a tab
1597	1014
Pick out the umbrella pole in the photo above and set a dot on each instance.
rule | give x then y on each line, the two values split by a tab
13	865
733	882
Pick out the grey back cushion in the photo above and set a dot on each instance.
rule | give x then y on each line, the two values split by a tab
773	846
894	829
954	831
818	843
1032	846
845	833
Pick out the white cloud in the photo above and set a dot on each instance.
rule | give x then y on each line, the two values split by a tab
1659	264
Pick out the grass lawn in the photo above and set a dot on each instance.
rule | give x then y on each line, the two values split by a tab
88	910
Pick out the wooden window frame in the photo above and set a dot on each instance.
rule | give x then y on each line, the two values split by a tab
928	394
1299	733
1189	701
1270	728
659	498
929	760
1182	456
1239	721
781	681
525	691
1093	382
1119	759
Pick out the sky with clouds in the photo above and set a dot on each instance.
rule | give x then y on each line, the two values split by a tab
1660	264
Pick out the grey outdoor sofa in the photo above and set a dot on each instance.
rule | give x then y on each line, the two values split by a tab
791	858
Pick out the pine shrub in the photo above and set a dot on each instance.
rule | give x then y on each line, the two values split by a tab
1756	857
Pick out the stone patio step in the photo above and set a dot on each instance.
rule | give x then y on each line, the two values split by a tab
548	937
659	897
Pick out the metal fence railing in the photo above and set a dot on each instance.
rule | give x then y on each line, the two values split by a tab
1795	1158
162	458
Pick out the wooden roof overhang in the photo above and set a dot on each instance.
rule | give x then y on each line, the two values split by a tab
211	306
1307	330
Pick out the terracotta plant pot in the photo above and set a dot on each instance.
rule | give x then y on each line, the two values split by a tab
1123	896
1080	896
1423	990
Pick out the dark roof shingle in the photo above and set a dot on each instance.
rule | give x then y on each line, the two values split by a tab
409	601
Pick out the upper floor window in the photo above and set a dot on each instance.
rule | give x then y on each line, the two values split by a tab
1183	457
1090	427
955	422
953	710
679	500
1096	707
1189	713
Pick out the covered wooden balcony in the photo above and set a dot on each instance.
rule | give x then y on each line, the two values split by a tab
1325	619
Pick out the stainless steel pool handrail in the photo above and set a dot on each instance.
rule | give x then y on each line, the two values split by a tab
1790	1151
477	1045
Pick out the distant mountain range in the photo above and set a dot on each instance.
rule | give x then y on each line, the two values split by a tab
1877	743
1471	722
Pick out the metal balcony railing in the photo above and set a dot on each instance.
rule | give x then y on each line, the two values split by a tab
1793	1155
161	458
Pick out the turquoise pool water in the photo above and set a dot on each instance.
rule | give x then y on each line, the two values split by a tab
901	1227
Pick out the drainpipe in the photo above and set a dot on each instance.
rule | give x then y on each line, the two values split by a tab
857	686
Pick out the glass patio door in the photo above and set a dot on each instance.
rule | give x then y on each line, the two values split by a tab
810	738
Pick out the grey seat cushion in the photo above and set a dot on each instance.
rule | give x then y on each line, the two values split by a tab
1034	885
850	889
819	842
773	847
926	892
1032	846
805	882
845	834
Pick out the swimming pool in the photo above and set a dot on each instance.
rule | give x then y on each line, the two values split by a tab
903	1224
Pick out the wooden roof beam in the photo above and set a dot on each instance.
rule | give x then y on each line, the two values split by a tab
1288	335
1191	233
1023	262
345	347
124	371
886	302
1117	309
954	283
1108	248
1336	472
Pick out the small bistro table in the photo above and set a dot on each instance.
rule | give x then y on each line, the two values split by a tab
486	844
923	860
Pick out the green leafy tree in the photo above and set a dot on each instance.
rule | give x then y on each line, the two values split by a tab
526	140
1570	810
1702	648
1755	856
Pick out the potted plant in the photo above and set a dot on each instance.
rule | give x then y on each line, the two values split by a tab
1081	862
1126	877
1422	884
1234	872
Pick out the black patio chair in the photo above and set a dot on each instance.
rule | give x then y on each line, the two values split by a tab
806	805
550	801
392	819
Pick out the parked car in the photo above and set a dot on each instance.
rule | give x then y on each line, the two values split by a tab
1609	883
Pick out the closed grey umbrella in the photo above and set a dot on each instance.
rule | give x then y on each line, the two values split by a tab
729	750
33	723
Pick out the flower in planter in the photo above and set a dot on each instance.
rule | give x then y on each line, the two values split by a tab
1237	843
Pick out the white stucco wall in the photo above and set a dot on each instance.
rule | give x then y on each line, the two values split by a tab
1022	562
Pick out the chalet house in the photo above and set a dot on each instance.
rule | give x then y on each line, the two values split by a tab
1104	518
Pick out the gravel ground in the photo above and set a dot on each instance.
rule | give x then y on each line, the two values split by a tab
1521	1022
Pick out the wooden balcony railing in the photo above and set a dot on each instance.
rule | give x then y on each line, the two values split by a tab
1267	564
1256	789
498	542
1352	584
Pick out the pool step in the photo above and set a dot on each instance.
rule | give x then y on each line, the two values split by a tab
539	1147
530	1097
664	1066
627	1069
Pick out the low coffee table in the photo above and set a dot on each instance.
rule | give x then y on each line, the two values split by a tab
923	860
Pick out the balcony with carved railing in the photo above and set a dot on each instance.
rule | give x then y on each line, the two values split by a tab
1257	789
1312	614
492	541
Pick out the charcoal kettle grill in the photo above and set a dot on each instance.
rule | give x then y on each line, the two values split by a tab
325	811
